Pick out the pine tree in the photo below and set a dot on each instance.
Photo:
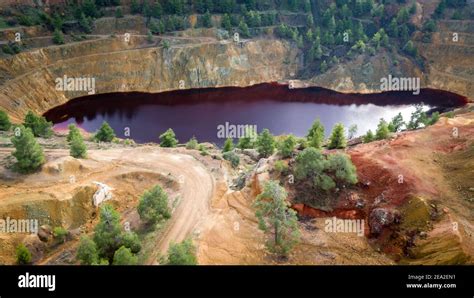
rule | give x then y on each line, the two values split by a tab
337	140
382	130
316	135
77	147
228	145
108	232
28	153
105	133
287	147
168	139
38	125
277	219
369	137
58	37
265	143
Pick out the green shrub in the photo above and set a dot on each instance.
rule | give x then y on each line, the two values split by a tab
281	167
168	139
38	125
369	137
192	144
124	256
228	145
87	251
5	123
23	255
232	157
182	253
58	37
153	205
60	234
130	240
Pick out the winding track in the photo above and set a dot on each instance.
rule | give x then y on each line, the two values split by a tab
195	193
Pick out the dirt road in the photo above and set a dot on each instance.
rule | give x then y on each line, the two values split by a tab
195	191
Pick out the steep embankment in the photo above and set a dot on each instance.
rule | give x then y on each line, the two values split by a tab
28	79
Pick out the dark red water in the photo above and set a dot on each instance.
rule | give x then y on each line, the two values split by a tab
199	112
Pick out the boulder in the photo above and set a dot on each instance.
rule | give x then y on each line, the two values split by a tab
380	218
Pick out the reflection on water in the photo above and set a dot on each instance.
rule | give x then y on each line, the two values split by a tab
199	113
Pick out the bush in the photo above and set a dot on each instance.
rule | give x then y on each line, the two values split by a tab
325	172
60	234
337	140
87	251
287	147
232	157
124	256
265	143
153	205
203	150
38	125
5	123
182	253
228	145
28	153
433	119
105	133
23	255
281	167
130	240
248	141
192	143
168	139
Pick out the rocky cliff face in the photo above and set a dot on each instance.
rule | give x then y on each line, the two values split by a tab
28	79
